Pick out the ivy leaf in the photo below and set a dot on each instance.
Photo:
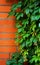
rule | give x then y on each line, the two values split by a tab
27	11
11	13
20	30
25	21
19	15
36	11
23	45
39	35
26	35
35	39
16	14
21	61
39	24
36	17
8	62
33	27
31	39
20	41
19	64
27	43
15	6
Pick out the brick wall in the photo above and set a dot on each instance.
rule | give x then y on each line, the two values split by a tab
7	32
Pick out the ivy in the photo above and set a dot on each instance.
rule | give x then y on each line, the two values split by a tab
28	24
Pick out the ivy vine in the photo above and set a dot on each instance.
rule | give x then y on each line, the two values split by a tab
28	24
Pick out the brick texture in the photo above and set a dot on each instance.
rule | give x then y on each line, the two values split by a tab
7	32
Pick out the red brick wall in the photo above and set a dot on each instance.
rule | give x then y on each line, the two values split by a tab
7	32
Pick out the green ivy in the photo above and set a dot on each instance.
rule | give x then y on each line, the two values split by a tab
17	59
28	24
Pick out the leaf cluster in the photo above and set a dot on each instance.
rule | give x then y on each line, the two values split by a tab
28	24
17	59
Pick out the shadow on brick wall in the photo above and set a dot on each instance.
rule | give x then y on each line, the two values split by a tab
13	1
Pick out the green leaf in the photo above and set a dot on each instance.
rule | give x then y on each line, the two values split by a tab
19	15
19	64
27	43
38	35
21	60
16	14
26	35
36	17
36	11
21	40
19	30
25	21
27	11
15	6
31	39
34	59
8	62
13	60
33	27
23	44
35	39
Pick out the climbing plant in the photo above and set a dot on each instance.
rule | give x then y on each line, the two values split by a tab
17	59
27	13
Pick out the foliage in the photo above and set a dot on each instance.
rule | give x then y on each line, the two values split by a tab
28	24
16	59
